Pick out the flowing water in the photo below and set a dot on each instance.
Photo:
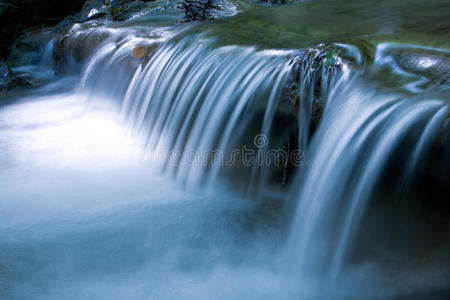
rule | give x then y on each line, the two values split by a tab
341	177
145	175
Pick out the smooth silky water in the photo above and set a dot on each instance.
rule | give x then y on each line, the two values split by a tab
99	196
85	215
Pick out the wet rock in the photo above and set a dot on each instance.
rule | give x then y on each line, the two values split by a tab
278	2
434	67
13	83
312	70
71	50
91	10
427	65
203	10
5	72
92	14
122	3
126	10
29	49
119	10
118	3
8	81
195	9
15	16
414	68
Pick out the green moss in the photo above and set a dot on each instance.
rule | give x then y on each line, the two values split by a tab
308	23
115	12
330	57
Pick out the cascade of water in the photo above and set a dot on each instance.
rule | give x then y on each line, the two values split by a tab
328	79
317	82
110	60
358	134
47	60
187	101
110	69
191	103
429	133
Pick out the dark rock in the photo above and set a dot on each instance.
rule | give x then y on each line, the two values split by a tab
5	72
29	48
203	10
76	43
414	68
13	83
71	50
126	11
8	81
15	16
312	69
279	2
195	9
432	66
315	62
118	3
113	10
91	10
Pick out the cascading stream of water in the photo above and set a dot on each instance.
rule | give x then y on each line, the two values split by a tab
429	133
328	80
188	99
357	136
175	150
188	102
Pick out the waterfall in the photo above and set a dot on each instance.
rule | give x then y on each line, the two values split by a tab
349	151
318	82
222	149
191	105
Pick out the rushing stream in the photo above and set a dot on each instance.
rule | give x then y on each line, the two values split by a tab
175	162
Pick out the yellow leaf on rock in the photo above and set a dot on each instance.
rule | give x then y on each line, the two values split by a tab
140	51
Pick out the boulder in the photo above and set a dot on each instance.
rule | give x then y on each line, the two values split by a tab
126	10
414	68
204	10
5	72
119	10
316	61
119	3
72	50
278	2
15	16
8	81
434	67
91	10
